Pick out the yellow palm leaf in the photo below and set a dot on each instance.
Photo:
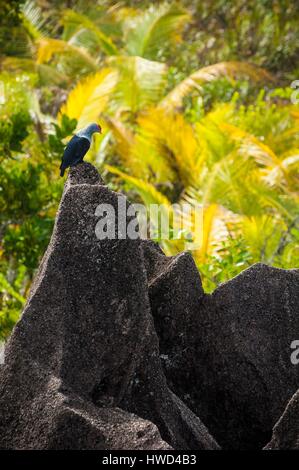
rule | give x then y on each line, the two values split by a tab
147	191
295	114
288	167
90	96
212	72
260	151
215	230
124	139
217	224
168	145
141	82
209	219
274	170
48	47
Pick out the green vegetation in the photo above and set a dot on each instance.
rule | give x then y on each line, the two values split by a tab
195	102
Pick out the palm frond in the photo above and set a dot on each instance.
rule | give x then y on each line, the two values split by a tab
48	47
33	20
124	139
214	230
291	161
156	28
169	146
250	146
217	225
147	191
285	174
160	215
262	234
141	82
80	22
48	75
213	140
262	153
212	72
90	97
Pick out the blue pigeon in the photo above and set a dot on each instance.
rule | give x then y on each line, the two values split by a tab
78	146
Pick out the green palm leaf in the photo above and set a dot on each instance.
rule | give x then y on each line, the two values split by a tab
79	22
156	28
33	21
141	82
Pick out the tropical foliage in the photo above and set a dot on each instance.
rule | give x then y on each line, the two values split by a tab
195	108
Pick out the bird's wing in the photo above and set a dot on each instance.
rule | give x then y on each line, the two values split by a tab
75	151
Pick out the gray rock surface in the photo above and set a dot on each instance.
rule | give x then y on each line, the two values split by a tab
227	355
176	296
252	321
119	347
85	354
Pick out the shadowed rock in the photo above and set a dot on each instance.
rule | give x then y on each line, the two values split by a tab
176	296
85	354
227	355
286	430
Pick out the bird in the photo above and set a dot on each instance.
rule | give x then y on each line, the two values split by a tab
78	146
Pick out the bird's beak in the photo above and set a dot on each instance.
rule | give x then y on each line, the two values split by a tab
100	129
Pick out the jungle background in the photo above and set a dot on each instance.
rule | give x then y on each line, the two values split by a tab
197	102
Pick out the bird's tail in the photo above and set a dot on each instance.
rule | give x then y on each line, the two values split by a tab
62	170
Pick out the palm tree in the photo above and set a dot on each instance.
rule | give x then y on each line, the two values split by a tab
246	188
245	177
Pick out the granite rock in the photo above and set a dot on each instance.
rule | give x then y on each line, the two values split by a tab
85	354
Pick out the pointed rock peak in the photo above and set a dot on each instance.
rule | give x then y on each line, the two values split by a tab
84	173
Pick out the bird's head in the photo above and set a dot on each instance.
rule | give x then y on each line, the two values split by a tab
94	127
89	130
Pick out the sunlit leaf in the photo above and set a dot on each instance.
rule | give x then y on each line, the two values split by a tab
48	47
80	22
154	29
147	191
33	20
141	82
90	96
212	72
